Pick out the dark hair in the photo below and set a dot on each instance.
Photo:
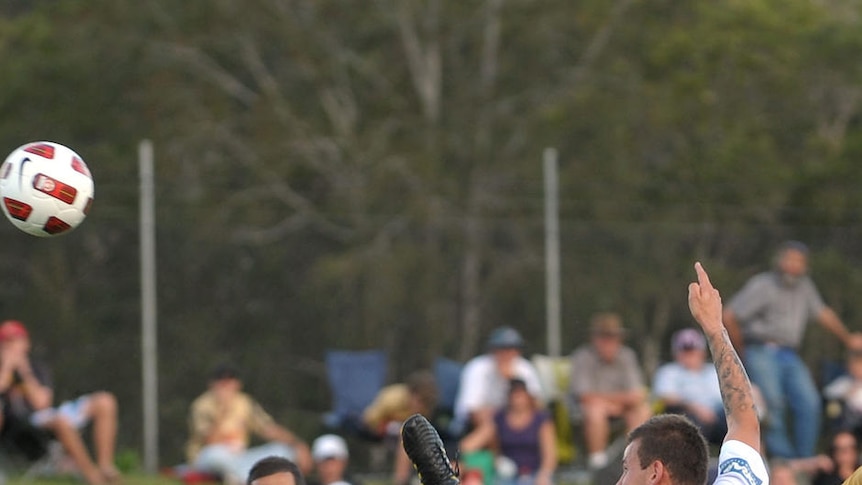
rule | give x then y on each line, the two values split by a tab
793	246
423	384
224	370
676	442
517	384
272	465
832	448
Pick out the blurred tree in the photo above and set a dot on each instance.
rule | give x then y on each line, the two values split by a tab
357	175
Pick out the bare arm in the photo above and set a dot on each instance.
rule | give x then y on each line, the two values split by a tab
276	432
832	322
39	396
704	302
548	448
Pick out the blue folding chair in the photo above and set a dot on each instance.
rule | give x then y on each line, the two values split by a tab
447	373
355	378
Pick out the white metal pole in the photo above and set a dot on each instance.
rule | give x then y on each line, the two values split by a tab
149	348
552	252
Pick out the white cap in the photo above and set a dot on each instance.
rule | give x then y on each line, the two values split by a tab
329	446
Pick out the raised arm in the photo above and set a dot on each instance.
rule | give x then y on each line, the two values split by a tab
704	302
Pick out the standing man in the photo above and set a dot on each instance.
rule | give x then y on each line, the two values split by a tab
766	321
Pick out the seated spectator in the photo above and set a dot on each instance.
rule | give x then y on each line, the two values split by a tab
524	437
221	421
395	403
781	472
27	396
607	383
330	456
689	385
846	390
485	378
843	460
832	469
483	391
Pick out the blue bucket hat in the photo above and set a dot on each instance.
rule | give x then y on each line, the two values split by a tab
505	338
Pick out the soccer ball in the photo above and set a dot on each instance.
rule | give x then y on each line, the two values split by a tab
46	188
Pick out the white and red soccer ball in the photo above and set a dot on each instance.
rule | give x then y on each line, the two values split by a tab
46	188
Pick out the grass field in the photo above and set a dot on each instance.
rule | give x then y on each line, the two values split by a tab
143	479
135	479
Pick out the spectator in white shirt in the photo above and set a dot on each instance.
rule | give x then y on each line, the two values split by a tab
485	379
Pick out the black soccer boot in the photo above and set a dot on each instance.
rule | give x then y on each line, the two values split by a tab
425	449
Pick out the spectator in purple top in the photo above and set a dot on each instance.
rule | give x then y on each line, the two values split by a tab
523	435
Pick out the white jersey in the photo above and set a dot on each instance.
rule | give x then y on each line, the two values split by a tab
740	464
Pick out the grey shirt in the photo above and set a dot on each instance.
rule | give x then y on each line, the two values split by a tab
591	374
771	310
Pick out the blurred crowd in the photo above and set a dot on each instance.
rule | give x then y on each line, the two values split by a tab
514	420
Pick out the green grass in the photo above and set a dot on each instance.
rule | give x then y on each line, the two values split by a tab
131	479
143	479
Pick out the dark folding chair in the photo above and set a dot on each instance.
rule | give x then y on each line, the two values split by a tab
355	378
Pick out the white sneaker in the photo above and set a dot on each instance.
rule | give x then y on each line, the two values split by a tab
597	461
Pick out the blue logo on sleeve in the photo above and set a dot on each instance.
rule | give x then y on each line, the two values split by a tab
741	468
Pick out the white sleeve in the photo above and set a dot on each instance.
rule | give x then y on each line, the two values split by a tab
471	389
740	464
528	372
662	384
838	388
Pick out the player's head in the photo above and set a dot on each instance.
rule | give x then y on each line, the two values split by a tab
669	445
792	259
275	470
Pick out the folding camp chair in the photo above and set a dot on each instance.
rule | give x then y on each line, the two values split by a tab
447	373
33	451
355	378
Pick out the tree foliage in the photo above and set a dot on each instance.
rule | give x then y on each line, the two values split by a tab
368	174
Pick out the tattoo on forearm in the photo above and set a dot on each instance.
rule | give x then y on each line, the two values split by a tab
733	381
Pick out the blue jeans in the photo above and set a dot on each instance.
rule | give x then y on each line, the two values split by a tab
786	384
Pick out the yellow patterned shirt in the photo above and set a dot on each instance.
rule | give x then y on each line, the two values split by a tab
211	423
855	478
392	403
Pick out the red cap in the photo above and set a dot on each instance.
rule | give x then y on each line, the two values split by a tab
11	329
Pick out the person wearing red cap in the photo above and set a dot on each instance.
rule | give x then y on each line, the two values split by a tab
27	396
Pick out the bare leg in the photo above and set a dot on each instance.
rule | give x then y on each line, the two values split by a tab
403	466
596	426
74	446
637	415
103	412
